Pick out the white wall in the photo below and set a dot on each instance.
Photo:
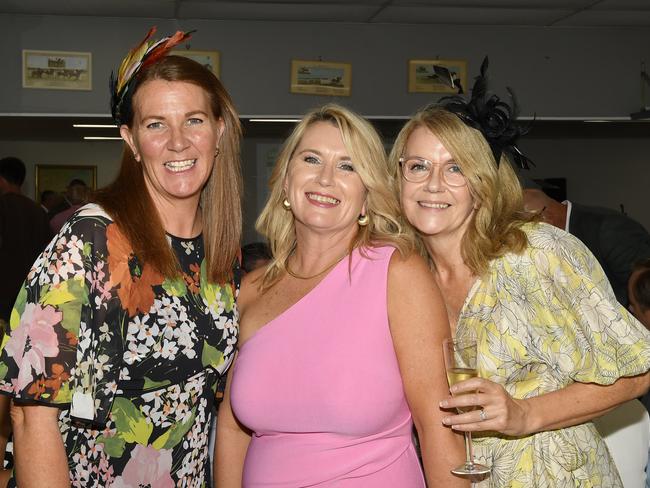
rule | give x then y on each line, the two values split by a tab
555	71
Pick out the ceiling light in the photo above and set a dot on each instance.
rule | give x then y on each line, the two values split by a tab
274	120
99	138
95	126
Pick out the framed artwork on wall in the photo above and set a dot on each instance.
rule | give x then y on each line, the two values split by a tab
57	70
436	75
321	78
209	59
56	177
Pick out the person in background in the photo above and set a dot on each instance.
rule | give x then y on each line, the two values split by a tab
616	240
75	196
24	232
341	335
639	291
127	319
639	297
51	203
555	347
255	255
639	294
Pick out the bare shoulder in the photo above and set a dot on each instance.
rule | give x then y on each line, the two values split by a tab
250	288
413	293
404	269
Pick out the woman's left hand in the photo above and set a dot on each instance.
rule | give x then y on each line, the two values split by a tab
495	411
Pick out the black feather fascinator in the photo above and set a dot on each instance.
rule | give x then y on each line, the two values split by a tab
493	117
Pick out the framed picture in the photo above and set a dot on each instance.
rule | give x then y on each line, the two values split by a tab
56	177
437	75
209	59
57	70
321	78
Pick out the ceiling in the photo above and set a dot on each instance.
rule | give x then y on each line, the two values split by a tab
612	13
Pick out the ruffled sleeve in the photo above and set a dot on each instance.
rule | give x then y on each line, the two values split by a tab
590	337
57	351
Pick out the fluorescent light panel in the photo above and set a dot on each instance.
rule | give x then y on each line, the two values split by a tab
274	120
95	126
100	138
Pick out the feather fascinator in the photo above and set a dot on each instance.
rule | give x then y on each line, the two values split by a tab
493	117
144	54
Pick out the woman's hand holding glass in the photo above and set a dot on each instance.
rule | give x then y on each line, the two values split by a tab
460	364
487	406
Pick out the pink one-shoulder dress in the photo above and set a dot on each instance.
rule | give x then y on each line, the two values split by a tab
320	388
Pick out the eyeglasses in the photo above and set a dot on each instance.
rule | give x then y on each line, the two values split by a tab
417	170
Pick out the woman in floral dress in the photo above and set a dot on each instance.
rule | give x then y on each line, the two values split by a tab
556	349
126	321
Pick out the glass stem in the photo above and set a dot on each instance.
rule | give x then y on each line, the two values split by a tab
469	454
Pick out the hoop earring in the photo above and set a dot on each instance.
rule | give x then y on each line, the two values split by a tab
363	220
286	204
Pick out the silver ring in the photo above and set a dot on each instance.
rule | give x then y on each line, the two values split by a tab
482	414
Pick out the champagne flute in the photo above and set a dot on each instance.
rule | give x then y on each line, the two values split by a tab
460	363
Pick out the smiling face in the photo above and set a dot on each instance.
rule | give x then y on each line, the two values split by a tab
432	206
174	136
325	191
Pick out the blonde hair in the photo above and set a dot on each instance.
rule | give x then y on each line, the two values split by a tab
369	158
495	228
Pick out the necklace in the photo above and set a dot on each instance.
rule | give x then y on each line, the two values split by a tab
329	266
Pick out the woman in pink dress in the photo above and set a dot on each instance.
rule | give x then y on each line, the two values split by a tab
340	341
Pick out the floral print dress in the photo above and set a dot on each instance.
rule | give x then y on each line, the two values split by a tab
132	359
544	319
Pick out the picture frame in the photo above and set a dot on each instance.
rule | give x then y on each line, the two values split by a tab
209	59
57	70
321	78
423	77
56	177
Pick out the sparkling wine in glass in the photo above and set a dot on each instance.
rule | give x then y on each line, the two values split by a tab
460	363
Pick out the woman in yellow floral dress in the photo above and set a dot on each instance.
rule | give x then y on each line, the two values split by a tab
556	348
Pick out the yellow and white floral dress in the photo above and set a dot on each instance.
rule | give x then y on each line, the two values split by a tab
544	319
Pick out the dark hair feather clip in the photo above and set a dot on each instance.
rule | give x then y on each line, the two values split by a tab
493	117
144	54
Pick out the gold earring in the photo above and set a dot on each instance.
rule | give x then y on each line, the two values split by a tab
286	204
363	220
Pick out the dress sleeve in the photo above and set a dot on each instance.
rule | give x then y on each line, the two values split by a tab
53	350
593	339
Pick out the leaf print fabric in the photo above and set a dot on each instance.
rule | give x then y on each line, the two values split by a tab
132	359
544	319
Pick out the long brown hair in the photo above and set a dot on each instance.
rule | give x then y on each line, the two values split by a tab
496	227
129	204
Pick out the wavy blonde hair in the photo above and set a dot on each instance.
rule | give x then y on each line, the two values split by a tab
496	226
369	159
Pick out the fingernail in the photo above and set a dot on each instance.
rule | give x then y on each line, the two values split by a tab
446	421
443	404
